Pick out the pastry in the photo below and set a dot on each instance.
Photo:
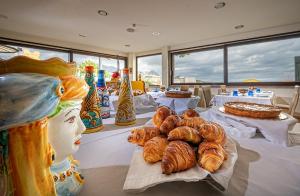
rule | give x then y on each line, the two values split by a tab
194	122
178	156
161	114
211	156
213	132
252	110
185	133
154	149
190	113
178	94
141	135
169	124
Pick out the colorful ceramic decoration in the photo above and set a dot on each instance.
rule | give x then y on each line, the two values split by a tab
126	112
91	112
103	95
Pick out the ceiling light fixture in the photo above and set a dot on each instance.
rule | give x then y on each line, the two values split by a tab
220	5
155	33
131	29
102	12
3	16
127	45
239	26
81	35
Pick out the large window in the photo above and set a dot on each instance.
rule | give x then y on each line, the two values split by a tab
150	68
108	64
273	61
35	53
199	67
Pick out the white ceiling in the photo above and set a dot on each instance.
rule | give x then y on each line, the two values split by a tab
178	21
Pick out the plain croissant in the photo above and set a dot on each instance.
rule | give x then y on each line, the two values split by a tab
190	113
213	132
194	122
154	149
211	156
161	114
169	124
141	135
178	156
185	133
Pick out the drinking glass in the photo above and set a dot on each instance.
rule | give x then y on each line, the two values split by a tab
235	93
250	93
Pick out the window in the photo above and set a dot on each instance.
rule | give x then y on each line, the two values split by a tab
199	67
35	53
111	65
272	61
150	68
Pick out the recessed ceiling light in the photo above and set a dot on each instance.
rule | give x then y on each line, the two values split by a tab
81	35
130	30
220	5
102	12
239	26
127	45
155	33
3	16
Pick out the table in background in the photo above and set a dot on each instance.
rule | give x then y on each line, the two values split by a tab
260	98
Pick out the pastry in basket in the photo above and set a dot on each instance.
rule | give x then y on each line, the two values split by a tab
141	135
185	133
169	124
194	122
213	132
178	156
154	149
190	113
161	114
211	156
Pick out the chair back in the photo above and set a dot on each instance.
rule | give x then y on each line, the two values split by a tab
295	101
138	86
207	95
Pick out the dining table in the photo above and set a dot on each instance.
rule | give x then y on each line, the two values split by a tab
264	97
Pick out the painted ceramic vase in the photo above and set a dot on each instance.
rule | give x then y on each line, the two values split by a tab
67	178
103	95
125	112
91	112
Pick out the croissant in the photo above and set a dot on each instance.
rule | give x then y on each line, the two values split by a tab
161	114
154	149
194	122
213	132
141	135
211	156
190	113
169	124
178	156
185	133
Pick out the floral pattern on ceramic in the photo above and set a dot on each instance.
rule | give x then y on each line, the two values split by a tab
125	112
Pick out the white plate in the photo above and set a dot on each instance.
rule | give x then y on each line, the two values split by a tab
282	116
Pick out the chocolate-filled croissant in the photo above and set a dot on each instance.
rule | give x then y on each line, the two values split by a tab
194	122
213	132
178	156
211	156
161	114
169	124
190	113
154	149
141	135
185	133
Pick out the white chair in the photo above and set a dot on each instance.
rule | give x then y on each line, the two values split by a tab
291	108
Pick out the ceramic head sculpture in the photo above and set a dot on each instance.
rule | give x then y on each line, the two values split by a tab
91	112
125	112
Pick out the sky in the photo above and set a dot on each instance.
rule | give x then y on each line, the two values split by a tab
150	63
268	62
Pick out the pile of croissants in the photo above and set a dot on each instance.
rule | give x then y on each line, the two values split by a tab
175	140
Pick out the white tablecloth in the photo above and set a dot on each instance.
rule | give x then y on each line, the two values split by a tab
219	100
262	169
178	104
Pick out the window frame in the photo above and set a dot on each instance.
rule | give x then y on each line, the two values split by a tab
137	69
225	46
70	51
